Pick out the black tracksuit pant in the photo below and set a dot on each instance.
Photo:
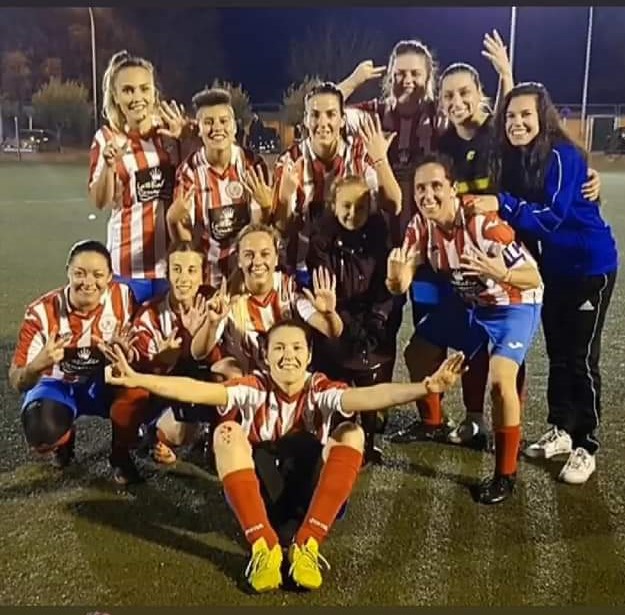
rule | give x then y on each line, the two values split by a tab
573	316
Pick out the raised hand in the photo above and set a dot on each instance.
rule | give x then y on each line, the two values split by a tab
289	181
324	289
218	305
475	263
254	182
447	374
52	353
193	318
167	348
119	373
395	263
376	142
174	118
123	337
114	151
495	51
366	71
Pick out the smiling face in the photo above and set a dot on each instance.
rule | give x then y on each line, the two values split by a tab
324	120
522	122
434	193
258	260
409	76
217	127
352	205
135	94
89	275
460	97
185	275
288	355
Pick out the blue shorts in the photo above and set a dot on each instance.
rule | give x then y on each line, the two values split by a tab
92	398
507	330
143	289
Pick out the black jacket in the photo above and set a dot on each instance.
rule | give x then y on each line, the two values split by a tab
358	259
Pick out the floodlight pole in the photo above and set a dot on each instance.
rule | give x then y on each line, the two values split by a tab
512	36
93	70
586	76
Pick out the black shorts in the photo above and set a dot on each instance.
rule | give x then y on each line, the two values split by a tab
288	471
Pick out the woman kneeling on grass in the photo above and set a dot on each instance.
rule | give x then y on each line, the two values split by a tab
58	363
274	451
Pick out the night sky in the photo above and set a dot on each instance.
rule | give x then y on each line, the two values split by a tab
550	43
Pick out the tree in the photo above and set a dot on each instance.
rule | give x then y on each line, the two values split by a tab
240	100
65	106
331	51
293	99
51	67
16	77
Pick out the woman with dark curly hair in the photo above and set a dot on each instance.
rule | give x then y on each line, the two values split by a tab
541	172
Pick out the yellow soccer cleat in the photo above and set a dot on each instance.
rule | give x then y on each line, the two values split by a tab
263	571
306	562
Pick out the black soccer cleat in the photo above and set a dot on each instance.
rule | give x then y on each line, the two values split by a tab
125	471
418	431
495	489
64	454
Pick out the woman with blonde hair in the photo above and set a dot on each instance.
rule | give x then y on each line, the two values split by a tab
132	168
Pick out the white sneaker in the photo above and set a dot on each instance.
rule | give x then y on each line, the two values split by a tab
579	467
553	442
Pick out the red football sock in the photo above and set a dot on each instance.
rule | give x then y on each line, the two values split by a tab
507	440
243	493
430	409
335	484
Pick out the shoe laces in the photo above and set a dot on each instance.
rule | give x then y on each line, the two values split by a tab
578	459
257	562
311	559
551	436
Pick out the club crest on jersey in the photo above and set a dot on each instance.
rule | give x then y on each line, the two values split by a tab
470	155
84	354
107	325
234	190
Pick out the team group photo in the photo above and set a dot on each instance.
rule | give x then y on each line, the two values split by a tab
364	346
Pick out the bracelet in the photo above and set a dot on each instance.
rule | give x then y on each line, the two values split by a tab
377	162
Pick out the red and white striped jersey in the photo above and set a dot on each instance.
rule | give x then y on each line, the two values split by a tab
267	413
249	317
221	207
158	318
137	232
316	177
82	358
417	135
486	233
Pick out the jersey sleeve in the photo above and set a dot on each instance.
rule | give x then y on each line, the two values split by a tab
415	239
328	397
244	396
31	339
97	163
496	236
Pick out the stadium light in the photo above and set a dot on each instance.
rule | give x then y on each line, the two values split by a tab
93	70
586	76
512	36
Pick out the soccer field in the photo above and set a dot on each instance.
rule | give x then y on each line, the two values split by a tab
412	534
